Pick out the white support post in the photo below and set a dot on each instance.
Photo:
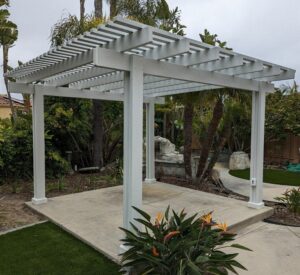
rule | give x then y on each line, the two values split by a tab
133	141
38	148
257	149
150	146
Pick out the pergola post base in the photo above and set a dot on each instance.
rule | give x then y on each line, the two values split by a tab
256	205
150	180
39	201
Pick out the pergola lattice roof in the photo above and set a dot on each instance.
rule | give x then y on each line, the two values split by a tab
94	63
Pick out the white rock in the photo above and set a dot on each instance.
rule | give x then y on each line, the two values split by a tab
239	161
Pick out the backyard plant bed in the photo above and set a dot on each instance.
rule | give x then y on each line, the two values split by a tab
13	212
47	249
283	216
281	177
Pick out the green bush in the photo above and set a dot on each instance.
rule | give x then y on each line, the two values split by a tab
16	154
292	200
177	244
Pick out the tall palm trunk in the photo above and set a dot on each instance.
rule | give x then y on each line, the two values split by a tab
224	136
98	8
98	130
208	141
97	133
188	133
5	49
113	8
82	10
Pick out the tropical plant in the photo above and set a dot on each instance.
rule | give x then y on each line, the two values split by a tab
291	198
175	243
283	113
16	151
154	13
217	113
8	36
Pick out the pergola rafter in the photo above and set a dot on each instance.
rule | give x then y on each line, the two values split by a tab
127	61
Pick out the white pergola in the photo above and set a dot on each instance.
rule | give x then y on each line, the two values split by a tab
123	60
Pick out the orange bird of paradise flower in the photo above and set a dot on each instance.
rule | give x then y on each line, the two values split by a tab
207	218
155	252
222	226
171	235
158	218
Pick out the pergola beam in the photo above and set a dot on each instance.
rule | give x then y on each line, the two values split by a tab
110	59
71	63
73	93
78	76
224	63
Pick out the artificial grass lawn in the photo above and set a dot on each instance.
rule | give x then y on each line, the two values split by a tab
272	176
45	249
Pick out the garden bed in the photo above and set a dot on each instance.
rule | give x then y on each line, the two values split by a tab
14	213
281	214
283	217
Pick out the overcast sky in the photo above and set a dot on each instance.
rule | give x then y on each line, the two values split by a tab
266	29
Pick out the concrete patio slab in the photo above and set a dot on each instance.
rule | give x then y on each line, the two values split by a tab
94	216
276	249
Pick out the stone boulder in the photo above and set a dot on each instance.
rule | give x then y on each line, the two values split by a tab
239	161
167	150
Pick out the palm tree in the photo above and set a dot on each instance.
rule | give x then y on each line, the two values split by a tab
217	115
8	36
98	8
82	10
113	9
98	130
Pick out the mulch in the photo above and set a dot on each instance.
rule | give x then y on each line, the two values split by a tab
13	211
281	216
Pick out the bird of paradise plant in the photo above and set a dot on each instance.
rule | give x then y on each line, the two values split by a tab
175	243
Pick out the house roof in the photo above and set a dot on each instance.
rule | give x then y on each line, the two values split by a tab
95	61
4	102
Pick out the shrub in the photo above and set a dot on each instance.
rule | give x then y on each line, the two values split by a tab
291	198
16	154
178	244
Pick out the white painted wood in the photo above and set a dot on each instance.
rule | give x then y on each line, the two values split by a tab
38	148
133	141
150	146
257	149
74	93
77	76
110	59
224	63
71	63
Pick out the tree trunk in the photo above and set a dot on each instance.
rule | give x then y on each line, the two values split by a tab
188	133
208	141
97	133
113	8
5	49
224	136
82	10
98	8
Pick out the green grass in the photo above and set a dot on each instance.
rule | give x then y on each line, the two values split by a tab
45	249
271	176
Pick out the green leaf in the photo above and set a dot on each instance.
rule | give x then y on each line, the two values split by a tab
240	247
202	259
142	213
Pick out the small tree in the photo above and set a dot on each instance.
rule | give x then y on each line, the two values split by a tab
8	36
